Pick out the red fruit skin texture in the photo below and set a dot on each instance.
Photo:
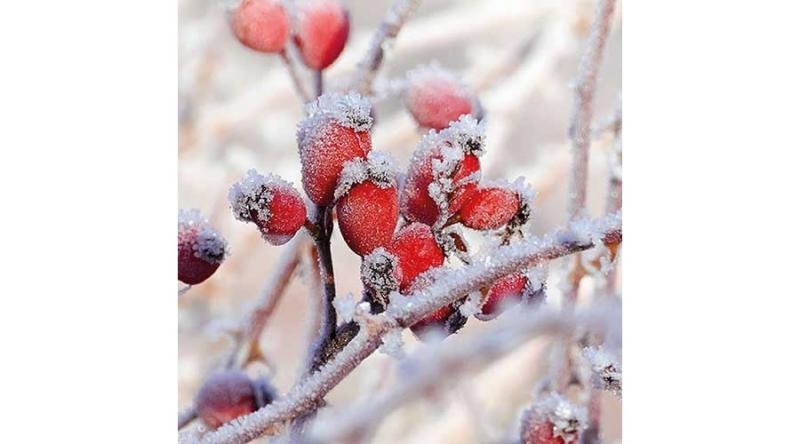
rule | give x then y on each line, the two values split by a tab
367	216
541	432
192	270
502	294
435	102
416	251
288	215
262	25
225	396
489	208
417	204
323	152
322	30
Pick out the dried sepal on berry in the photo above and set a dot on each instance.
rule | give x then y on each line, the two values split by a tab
435	97
224	397
381	274
271	203
335	130
443	172
606	373
321	32
201	248
553	420
367	208
262	25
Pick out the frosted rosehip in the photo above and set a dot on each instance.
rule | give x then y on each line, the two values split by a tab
262	25
321	32
506	291
224	397
417	252
201	248
553	420
436	97
271	203
366	207
335	131
489	208
443	173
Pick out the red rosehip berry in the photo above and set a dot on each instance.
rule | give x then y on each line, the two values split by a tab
366	207
554	420
224	397
443	173
201	248
489	208
504	292
335	131
417	252
435	97
262	25
321	32
271	203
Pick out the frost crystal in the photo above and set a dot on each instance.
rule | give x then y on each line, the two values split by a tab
250	197
207	243
467	134
379	168
568	419
350	110
606	372
393	344
345	307
471	305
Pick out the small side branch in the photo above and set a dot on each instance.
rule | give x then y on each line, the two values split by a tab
404	311
392	22
292	68
327	330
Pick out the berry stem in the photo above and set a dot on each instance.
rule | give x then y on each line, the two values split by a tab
186	416
298	84
327	330
319	86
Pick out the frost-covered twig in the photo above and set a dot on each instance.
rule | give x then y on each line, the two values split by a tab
186	416
404	311
256	320
427	368
367	68
581	122
295	76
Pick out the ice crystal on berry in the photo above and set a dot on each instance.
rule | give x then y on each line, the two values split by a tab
379	168
250	197
350	110
207	243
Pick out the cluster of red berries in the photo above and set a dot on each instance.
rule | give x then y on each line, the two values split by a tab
228	395
319	28
553	420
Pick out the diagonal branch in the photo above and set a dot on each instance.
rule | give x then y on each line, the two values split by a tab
404	311
367	68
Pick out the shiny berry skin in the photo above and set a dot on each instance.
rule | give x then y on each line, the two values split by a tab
435	97
224	397
336	130
262	25
505	292
417	252
321	32
201	248
367	216
271	203
489	208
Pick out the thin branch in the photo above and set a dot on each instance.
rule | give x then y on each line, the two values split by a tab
392	22
404	311
186	416
319	86
292	68
327	329
428	367
581	122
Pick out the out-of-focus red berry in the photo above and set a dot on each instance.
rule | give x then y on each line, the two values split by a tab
224	397
261	25
321	32
435	97
505	292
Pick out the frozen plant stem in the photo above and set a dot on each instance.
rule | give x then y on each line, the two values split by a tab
327	328
319	87
581	122
309	392
298	84
392	22
186	416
